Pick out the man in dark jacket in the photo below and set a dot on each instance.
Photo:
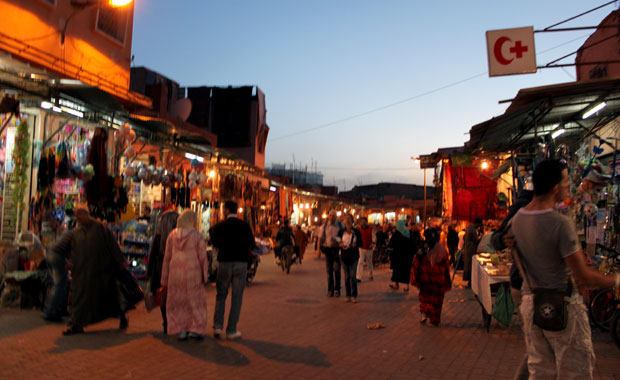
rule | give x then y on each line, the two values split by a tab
453	243
234	240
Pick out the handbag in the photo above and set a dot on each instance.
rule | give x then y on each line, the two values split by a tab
160	296
550	305
348	255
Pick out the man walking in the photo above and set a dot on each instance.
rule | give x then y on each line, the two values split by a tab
96	260
550	255
234	240
329	244
365	249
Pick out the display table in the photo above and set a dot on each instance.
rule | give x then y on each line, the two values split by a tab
481	282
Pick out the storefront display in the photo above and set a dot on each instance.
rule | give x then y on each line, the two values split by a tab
136	237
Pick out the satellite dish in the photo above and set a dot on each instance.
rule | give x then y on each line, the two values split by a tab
182	108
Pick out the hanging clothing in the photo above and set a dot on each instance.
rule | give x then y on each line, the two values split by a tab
184	273
431	274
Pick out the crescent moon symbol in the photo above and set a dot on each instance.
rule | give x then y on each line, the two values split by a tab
497	50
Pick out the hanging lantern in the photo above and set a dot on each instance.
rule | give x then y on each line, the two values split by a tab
193	176
124	130
130	171
131	136
194	163
179	177
130	152
143	173
202	178
192	185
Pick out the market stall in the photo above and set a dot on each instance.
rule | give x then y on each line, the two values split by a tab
488	272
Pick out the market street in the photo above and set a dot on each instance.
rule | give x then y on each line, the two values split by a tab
290	330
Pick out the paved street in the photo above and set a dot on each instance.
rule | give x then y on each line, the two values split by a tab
290	330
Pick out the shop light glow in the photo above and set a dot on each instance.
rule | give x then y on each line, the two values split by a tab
272	188
118	3
484	165
212	174
46	105
301	214
402	209
594	110
557	133
316	218
324	216
56	109
72	111
240	210
307	205
339	213
194	157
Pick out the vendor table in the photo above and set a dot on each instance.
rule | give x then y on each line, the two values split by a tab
481	283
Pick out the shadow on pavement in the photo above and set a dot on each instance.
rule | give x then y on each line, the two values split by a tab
14	321
206	349
311	355
93	340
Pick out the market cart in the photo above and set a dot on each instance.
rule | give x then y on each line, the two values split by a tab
485	280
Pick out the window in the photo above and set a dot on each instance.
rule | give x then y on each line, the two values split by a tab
113	22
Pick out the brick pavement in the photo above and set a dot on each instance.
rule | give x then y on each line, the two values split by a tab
290	330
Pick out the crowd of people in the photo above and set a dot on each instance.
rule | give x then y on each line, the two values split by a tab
544	243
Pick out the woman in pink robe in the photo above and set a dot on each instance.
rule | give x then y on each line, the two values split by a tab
184	274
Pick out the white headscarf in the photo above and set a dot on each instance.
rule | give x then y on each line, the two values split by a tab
187	220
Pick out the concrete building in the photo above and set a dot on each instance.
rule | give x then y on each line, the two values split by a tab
71	40
236	115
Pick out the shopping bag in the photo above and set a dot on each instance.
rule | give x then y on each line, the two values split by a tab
503	307
130	291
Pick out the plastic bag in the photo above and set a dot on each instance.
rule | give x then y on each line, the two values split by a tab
503	307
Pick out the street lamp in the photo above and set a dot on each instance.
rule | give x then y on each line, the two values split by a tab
83	5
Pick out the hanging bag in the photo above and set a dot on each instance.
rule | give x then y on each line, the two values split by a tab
550	305
503	307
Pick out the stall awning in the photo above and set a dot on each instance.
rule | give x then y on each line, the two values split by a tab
543	110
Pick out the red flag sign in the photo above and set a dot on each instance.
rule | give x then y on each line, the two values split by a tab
511	51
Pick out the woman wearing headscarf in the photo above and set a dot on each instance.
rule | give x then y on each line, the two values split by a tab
167	223
403	248
431	274
184	274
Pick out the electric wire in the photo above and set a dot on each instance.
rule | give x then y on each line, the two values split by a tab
390	105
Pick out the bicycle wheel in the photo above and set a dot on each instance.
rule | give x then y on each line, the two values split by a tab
615	328
602	308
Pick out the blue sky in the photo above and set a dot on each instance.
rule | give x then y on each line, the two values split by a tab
319	62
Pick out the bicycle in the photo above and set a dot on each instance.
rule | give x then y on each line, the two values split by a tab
605	303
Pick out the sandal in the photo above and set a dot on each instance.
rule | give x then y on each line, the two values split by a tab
393	287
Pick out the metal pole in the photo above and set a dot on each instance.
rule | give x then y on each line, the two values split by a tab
424	199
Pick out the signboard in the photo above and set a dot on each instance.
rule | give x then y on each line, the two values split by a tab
511	51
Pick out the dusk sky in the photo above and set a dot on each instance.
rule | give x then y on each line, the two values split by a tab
319	62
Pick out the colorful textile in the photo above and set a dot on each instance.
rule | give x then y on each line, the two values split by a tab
184	273
433	282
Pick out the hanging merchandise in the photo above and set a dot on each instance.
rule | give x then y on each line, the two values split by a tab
64	168
98	157
21	154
